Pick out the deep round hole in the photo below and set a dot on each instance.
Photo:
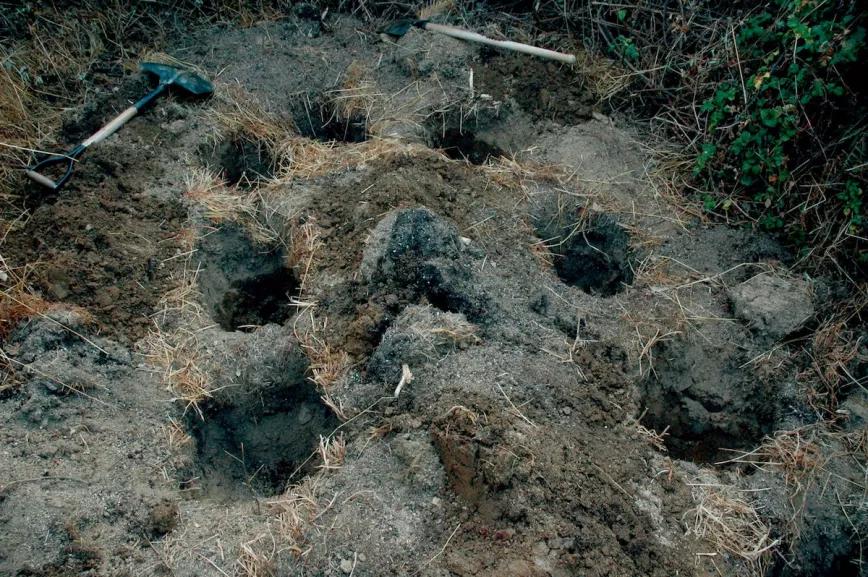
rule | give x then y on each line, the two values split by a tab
593	255
705	401
462	144
259	444
257	300
325	121
243	284
240	160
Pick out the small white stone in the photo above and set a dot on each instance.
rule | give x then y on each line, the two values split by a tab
346	566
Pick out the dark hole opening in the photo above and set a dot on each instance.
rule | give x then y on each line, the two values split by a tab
263	444
705	402
258	301
244	284
464	145
594	257
240	161
327	123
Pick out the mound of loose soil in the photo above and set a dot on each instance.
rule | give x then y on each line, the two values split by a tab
421	349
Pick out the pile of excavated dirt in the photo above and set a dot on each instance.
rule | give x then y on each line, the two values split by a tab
444	325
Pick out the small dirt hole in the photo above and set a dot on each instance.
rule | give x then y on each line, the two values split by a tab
705	401
240	160
464	145
244	284
326	122
258	443
593	256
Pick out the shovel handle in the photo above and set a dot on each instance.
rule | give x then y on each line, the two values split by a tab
107	130
504	44
111	127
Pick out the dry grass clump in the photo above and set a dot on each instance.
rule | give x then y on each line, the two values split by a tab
508	172
834	348
332	452
240	115
796	454
603	76
724	518
304	158
354	100
16	306
297	511
220	203
257	557
304	246
19	126
172	345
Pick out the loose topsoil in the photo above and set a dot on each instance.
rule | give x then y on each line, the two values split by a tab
411	324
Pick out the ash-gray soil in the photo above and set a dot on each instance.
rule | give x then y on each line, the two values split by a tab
387	307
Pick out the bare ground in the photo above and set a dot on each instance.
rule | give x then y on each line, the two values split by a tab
403	308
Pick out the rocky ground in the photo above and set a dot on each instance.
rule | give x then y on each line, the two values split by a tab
409	307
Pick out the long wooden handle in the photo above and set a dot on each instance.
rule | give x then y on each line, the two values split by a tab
111	127
505	44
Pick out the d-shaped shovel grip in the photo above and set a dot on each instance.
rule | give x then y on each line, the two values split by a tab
70	158
33	172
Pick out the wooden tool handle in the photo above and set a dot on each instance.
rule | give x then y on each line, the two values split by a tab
505	44
111	127
40	179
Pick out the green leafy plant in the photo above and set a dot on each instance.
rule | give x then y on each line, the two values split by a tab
781	119
625	48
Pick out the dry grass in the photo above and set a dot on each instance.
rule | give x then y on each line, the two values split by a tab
332	451
240	116
296	511
604	77
304	246
834	349
327	364
304	158
172	345
257	557
354	100
726	519
439	329
176	435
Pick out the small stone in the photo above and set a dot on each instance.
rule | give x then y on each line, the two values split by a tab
346	566
566	411
436	501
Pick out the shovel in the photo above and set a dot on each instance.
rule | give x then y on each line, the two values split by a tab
401	27
168	76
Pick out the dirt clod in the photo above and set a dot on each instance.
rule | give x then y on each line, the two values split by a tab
772	305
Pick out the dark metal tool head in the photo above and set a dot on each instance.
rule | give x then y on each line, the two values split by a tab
401	27
173	76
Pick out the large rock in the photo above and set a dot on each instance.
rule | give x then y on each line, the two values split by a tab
772	305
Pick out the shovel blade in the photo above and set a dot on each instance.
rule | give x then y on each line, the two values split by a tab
399	28
186	80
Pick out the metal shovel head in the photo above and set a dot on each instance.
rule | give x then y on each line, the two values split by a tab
184	79
400	27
